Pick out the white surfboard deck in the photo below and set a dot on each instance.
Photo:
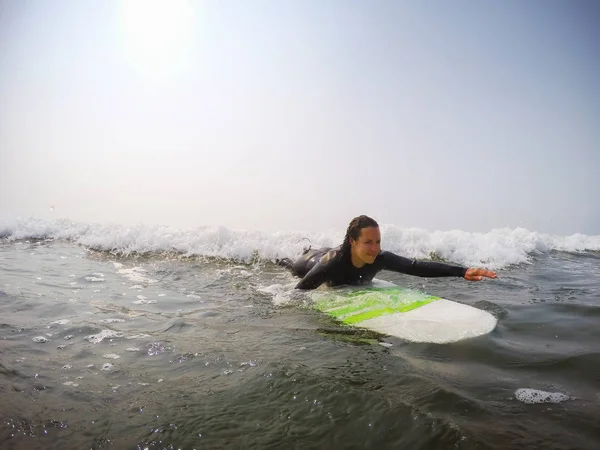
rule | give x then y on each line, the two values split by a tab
438	322
406	314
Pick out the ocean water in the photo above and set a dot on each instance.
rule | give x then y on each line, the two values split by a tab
115	336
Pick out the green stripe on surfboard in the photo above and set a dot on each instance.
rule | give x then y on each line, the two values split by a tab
355	307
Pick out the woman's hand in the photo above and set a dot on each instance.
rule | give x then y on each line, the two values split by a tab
478	274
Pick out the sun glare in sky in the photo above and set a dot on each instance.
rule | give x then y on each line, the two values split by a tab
157	35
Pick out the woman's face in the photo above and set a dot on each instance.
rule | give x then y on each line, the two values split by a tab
368	245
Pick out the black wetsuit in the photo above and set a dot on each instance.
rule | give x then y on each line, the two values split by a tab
326	265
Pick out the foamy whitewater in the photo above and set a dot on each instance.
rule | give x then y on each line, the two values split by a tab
136	336
496	249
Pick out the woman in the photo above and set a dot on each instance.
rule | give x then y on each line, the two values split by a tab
360	258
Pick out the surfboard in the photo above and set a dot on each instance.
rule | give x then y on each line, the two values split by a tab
405	313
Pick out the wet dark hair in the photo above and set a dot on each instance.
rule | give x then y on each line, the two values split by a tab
353	231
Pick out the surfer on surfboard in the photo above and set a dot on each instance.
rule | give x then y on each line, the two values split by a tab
360	258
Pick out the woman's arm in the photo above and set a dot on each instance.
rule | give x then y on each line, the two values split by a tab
315	276
431	268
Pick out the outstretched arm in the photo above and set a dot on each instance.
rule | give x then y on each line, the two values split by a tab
432	268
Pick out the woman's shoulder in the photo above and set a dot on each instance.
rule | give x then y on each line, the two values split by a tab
387	256
331	255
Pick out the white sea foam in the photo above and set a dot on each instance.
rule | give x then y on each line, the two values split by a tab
533	396
495	249
108	367
93	279
138	336
144	302
104	334
285	294
281	295
60	322
137	275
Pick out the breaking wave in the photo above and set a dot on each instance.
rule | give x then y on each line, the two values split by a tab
495	249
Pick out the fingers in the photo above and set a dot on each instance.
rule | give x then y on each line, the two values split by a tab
484	273
473	278
478	274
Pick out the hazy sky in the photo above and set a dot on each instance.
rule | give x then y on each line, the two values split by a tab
282	115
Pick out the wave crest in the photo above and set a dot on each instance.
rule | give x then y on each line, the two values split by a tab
495	249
